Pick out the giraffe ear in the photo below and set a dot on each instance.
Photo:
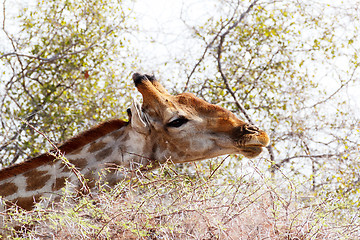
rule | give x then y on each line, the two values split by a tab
138	119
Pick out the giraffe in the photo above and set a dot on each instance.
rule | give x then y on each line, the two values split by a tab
178	128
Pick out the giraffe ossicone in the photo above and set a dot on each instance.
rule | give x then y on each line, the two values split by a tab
182	128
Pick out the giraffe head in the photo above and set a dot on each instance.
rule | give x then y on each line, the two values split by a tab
180	128
186	128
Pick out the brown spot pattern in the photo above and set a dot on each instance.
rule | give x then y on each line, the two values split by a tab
77	151
96	146
27	203
79	162
117	134
59	183
103	154
36	179
90	177
125	138
69	146
8	189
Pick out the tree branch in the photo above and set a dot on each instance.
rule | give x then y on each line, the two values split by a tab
337	90
51	59
208	46
218	58
225	79
286	160
211	43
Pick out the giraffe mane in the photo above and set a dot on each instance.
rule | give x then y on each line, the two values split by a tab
67	147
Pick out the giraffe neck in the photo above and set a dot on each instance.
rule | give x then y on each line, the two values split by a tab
123	147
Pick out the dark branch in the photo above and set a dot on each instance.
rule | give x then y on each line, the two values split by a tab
225	79
286	160
219	52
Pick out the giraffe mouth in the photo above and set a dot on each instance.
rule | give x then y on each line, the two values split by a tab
254	142
260	139
251	151
253	145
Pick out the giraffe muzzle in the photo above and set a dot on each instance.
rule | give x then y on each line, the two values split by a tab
250	136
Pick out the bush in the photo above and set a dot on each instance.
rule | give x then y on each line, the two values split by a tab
168	204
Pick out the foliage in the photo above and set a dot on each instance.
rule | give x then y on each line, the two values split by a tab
283	65
268	61
169	205
60	74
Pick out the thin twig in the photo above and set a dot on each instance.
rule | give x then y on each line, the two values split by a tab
208	46
218	167
286	160
337	90
58	154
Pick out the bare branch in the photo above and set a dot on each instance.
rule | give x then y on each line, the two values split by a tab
286	160
219	52
218	166
211	43
225	79
337	90
4	14
208	46
53	58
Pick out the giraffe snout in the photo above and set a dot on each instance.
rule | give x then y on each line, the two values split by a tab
249	135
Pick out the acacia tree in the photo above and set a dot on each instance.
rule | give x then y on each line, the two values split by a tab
65	69
268	61
261	59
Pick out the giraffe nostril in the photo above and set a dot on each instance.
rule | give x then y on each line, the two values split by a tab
250	129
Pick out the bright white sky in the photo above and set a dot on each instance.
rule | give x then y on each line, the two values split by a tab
161	19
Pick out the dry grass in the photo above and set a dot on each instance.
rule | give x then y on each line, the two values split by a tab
168	205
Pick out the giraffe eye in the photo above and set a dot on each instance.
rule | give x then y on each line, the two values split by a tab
178	122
